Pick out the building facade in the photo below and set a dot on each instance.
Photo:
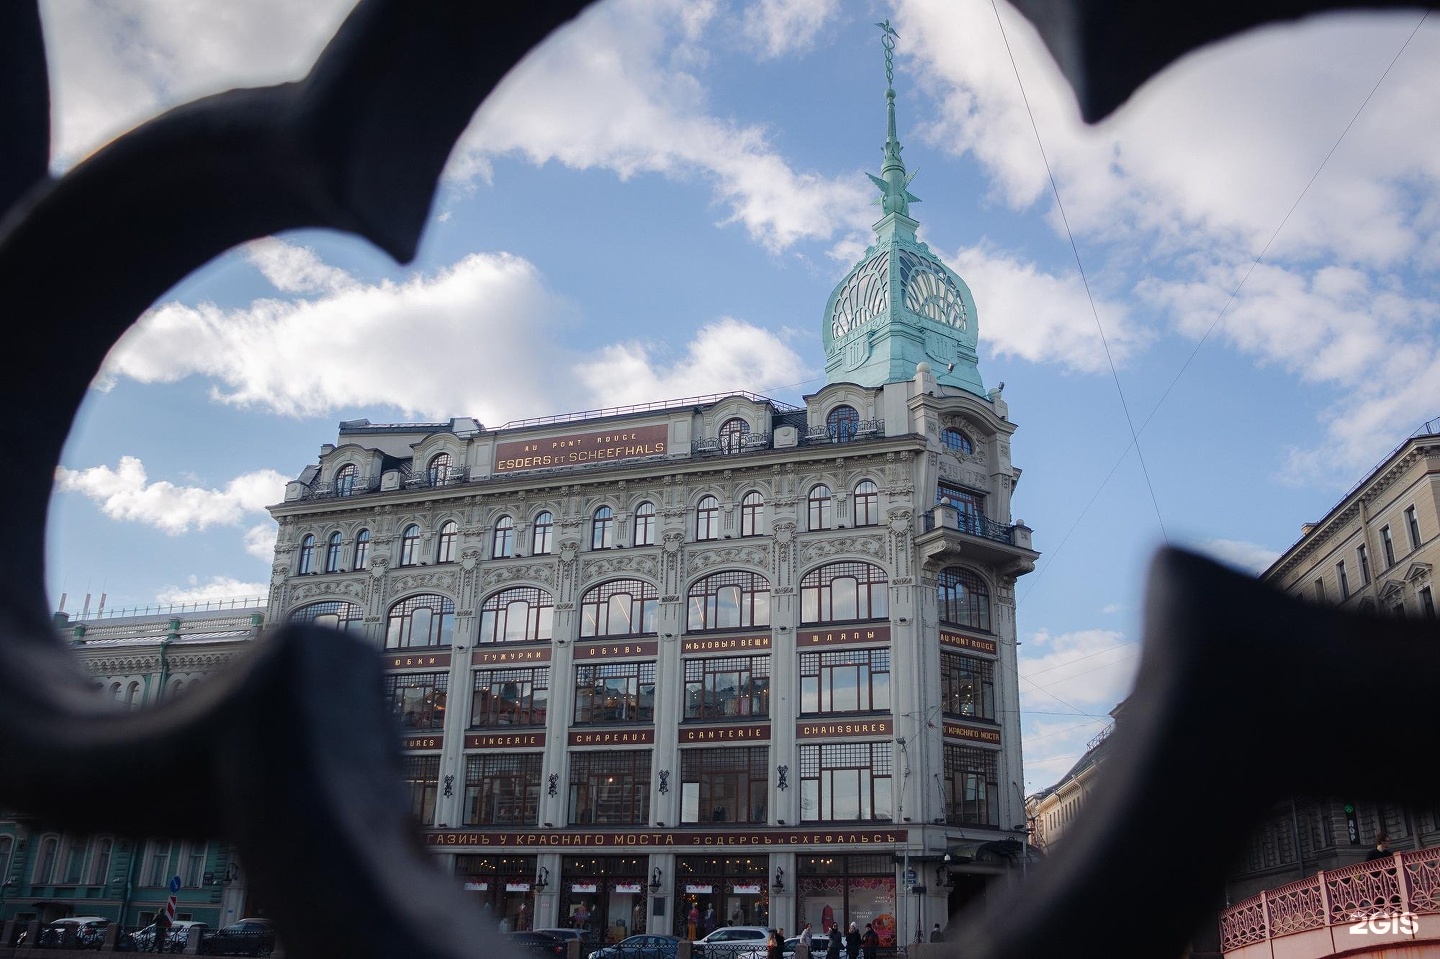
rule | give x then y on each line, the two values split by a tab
137	659
716	659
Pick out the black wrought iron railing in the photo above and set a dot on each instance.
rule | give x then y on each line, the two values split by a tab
846	432
949	517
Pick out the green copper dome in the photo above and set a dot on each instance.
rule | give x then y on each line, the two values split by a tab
900	305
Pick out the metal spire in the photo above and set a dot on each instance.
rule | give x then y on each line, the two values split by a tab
893	180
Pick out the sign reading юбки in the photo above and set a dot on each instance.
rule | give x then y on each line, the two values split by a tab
576	449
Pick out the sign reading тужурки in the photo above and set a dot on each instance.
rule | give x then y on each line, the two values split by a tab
575	449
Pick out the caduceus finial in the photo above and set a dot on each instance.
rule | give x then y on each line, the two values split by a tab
887	40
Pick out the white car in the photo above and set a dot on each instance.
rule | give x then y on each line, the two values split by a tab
729	942
818	944
143	940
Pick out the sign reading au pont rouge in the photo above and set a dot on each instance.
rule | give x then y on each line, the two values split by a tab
574	449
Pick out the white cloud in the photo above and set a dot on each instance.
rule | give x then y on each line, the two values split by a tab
613	90
296	269
1036	316
1084	669
785	26
113	65
125	493
216	589
1248	557
410	344
260	541
728	354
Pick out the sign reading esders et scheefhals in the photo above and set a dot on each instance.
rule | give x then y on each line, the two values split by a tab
577	449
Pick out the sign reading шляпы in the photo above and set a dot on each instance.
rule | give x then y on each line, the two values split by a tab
575	449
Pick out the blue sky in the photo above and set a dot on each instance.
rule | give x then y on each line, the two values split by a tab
658	202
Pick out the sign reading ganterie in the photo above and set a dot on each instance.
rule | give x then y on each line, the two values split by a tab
837	637
575	449
578	838
718	734
975	643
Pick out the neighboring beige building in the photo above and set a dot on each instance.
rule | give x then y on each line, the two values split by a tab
1052	810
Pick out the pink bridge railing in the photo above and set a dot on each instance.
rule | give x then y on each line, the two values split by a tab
1407	882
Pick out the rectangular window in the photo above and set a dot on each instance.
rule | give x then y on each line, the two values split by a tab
845	782
73	866
1319	590
729	687
510	697
1427	603
1412	526
967	686
724	785
1363	555
192	865
610	788
418	699
969	504
422	775
1388	545
157	862
615	693
971	790
99	863
845	681
503	789
1342	579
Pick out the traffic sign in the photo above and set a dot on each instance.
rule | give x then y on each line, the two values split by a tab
174	884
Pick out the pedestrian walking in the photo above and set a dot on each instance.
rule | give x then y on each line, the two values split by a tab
852	942
869	942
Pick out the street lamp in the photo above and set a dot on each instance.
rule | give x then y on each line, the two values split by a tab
779	884
542	879
655	882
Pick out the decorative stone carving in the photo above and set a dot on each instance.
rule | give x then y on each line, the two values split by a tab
750	555
592	569
530	572
871	545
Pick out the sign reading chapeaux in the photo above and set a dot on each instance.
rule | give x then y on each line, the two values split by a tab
709	837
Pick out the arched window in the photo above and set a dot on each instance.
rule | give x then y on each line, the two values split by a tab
307	555
867	504
707	519
841	592
362	550
438	472
132	696
424	620
345	479
335	614
46	862
842	424
956	441
502	545
752	512
410	545
644	525
520	615
964	599
332	553
732	434
820	501
602	529
544	529
621	607
445	543
728	600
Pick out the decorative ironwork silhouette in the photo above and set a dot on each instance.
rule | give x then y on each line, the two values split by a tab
293	756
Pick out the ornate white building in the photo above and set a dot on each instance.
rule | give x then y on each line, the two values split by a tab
718	654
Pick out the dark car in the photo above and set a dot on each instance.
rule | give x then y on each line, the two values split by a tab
641	946
248	937
544	944
143	940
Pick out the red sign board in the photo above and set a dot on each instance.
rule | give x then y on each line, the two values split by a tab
577	449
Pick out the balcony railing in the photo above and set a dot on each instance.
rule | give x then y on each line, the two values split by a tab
949	517
1382	891
747	443
845	432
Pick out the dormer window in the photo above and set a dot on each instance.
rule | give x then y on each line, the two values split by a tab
438	472
956	441
345	479
732	435
842	424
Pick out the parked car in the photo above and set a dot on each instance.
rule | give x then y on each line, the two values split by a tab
538	943
640	946
248	937
75	932
729	941
143	940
